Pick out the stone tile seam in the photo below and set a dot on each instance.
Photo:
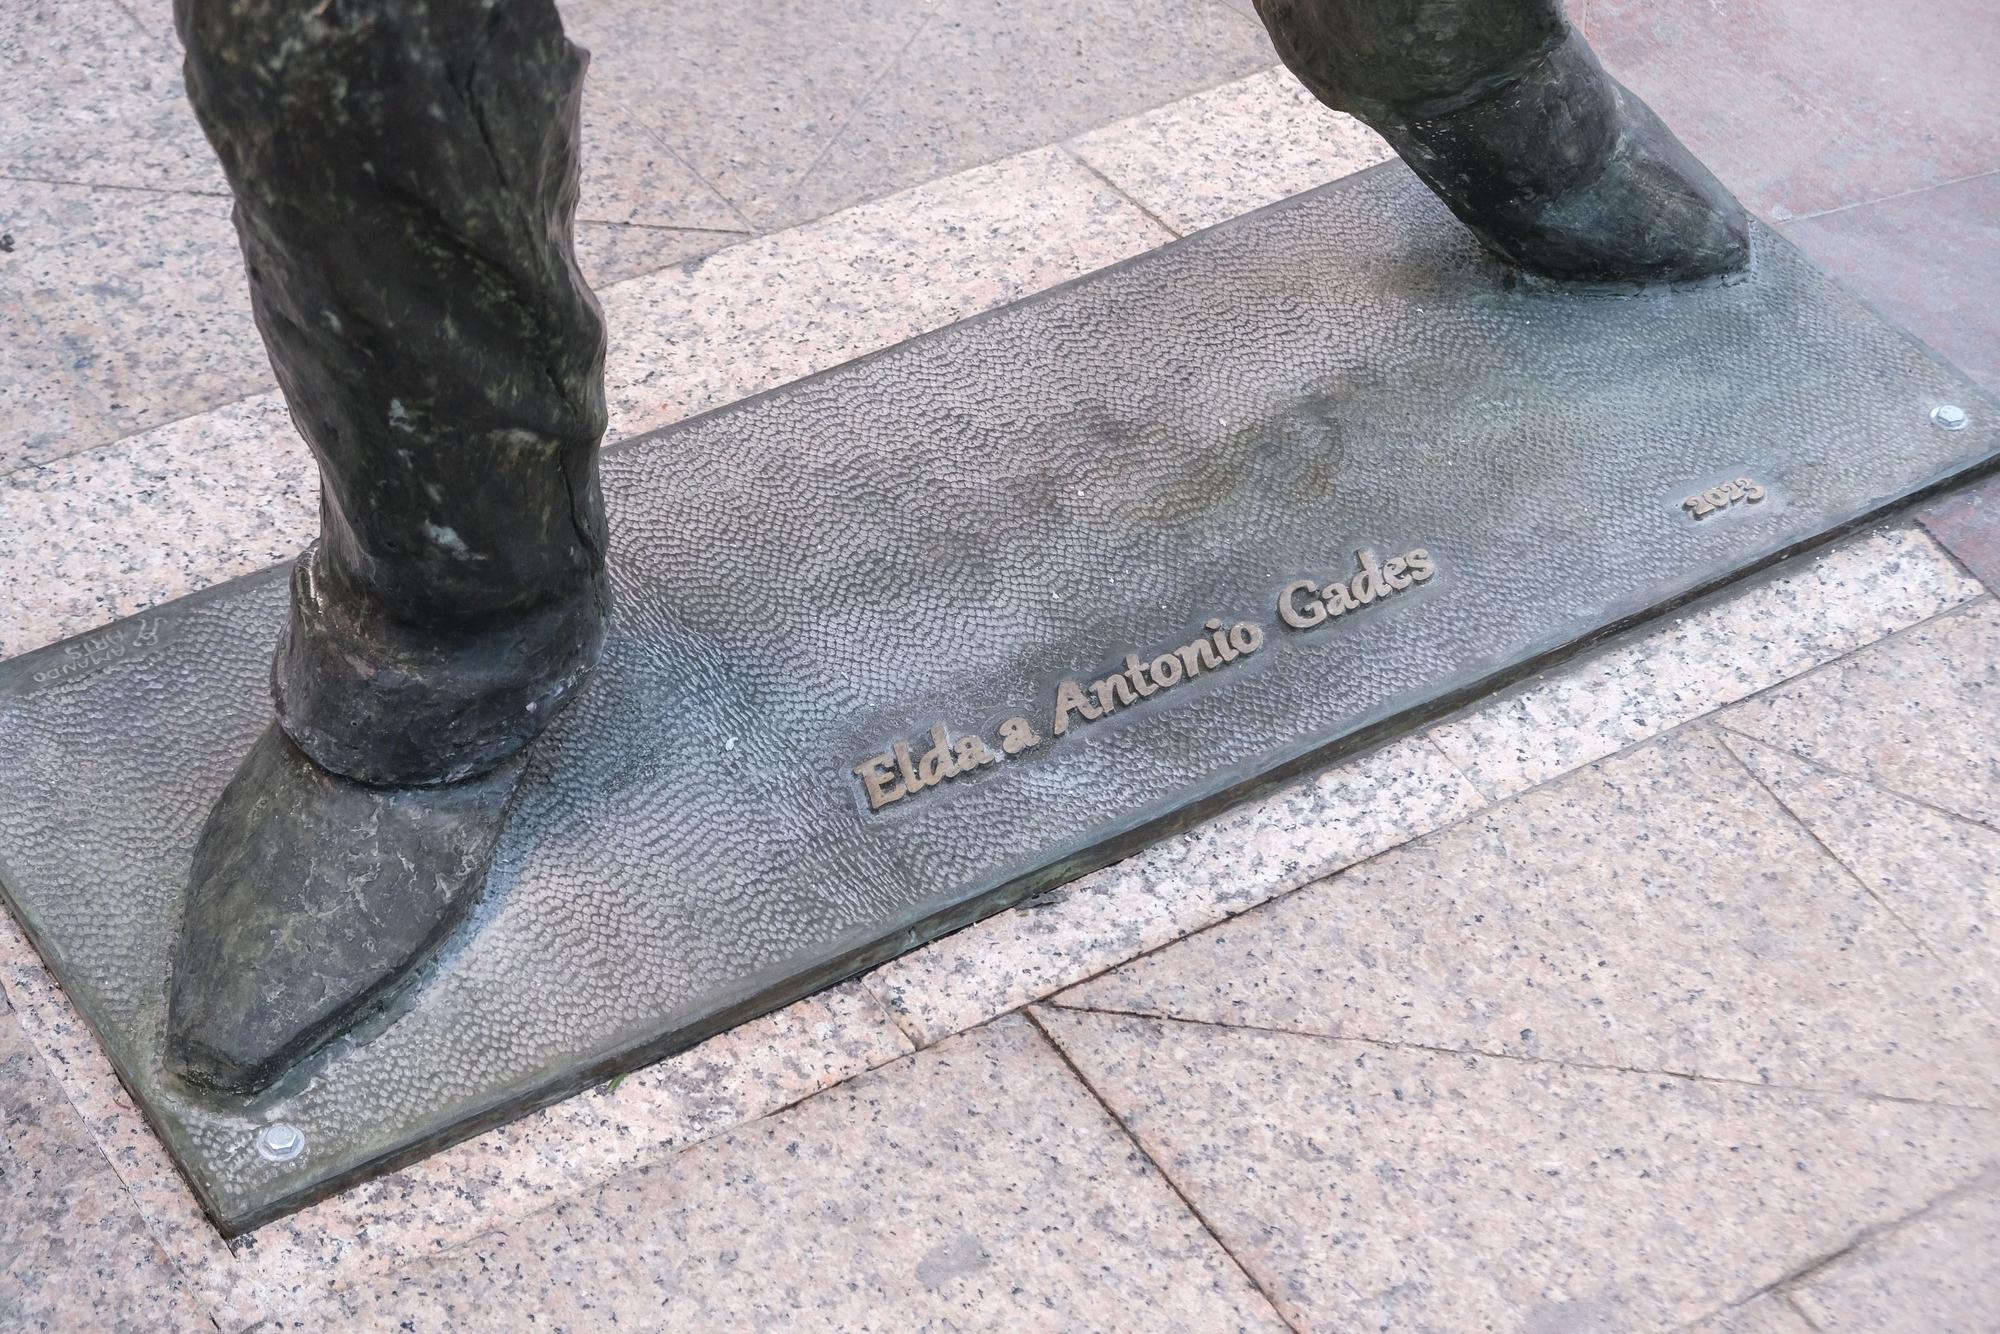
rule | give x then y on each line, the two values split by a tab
56	1075
1286	887
659	141
1729	737
1822	766
1594	1067
916	1037
1488	804
1957	609
1921	519
1159	1169
169	41
126	186
1638	634
644	1155
1801	1277
1788	220
854	108
1069	149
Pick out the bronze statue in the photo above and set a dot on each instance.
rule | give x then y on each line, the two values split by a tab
1502	109
405	174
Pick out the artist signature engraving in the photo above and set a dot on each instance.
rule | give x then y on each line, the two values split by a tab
907	768
87	653
1722	497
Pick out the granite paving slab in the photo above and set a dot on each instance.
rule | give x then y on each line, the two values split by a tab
985	78
1658	911
1937	873
1865	715
1369	1186
92	96
1767	631
74	1251
141	307
1967	522
1936	1272
1222	153
974	1186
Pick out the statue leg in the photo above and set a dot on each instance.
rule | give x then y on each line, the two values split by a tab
1502	109
405	177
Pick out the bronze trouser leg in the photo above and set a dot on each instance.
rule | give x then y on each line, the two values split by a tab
1503	110
405	175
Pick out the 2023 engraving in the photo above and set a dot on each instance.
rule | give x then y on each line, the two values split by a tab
1742	490
906	768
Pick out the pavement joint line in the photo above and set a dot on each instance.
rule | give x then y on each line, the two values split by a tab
1068	150
1326	877
1956	816
1889	198
666	227
1854	1095
107	185
861	99
661	141
1801	1275
1714	598
1194	1211
750	233
1799	822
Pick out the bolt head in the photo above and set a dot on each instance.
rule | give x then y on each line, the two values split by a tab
280	1142
1950	416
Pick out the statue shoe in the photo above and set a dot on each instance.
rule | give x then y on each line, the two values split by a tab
313	899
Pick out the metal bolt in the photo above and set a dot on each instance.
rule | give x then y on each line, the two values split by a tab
280	1142
1950	416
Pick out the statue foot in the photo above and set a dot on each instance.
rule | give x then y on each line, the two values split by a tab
312	899
1503	110
1652	213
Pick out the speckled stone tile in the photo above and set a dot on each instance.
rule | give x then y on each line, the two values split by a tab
1772	1313
630	176
45	410
74	1251
1938	873
985	78
231	491
1374	1187
1658	912
506	1174
1966	522
974	1186
1177	886
759	315
1222	153
141	308
1918	714
749	96
1723	650
151	517
613	252
1938	1272
89	94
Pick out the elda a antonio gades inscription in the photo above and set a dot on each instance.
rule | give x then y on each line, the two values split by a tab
907	768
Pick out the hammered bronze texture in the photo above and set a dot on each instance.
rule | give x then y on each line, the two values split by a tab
944	533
